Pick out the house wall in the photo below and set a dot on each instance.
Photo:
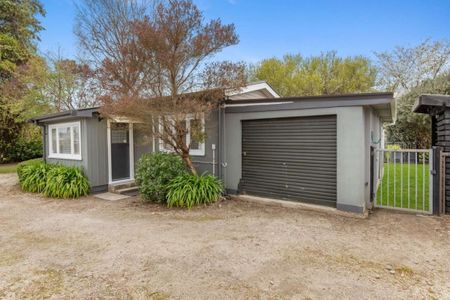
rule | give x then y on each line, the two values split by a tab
67	162
143	142
373	138
97	153
351	148
94	157
443	141
204	163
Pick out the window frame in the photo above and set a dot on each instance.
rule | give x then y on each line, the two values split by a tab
192	152
72	155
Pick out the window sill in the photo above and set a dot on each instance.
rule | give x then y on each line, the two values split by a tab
65	157
190	153
197	154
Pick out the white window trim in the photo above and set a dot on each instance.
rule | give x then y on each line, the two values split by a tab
58	155
192	152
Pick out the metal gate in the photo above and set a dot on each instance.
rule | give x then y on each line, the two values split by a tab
403	179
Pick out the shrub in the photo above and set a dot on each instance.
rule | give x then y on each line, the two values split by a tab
25	150
52	180
33	177
154	172
26	145
23	164
66	182
189	190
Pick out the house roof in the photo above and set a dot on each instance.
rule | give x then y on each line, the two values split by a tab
382	102
266	91
64	115
429	103
257	86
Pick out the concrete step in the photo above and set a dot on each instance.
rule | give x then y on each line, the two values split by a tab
115	187
129	191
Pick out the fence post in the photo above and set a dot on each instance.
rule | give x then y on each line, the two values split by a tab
435	174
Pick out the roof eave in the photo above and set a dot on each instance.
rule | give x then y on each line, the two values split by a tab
59	116
431	103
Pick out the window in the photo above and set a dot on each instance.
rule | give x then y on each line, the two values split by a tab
196	148
65	141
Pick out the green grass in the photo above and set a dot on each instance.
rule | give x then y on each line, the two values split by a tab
394	174
8	168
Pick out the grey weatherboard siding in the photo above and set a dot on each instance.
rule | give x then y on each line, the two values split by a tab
290	158
94	159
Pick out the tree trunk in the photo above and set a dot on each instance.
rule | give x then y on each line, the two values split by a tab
187	160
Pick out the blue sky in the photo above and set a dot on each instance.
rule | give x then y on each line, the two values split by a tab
269	28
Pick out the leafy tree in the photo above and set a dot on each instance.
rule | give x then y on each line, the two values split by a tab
70	84
410	72
404	69
11	55
18	20
327	74
19	28
158	67
413	130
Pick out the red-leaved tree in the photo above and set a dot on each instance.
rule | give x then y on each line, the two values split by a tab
162	72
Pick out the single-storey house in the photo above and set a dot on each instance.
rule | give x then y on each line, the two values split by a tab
309	149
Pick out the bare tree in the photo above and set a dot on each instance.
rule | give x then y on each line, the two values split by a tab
163	73
404	69
104	26
70	84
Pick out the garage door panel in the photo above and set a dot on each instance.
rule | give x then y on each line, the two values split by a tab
290	158
323	173
292	177
297	183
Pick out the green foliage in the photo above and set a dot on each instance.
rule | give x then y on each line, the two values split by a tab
33	177
26	146
19	28
66	182
22	165
326	74
52	180
11	54
25	150
19	20
393	147
188	190
154	172
413	130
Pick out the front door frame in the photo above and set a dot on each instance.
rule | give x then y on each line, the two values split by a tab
108	132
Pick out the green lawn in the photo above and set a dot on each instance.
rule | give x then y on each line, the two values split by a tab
8	168
401	196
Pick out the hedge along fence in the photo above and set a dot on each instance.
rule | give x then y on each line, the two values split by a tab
55	181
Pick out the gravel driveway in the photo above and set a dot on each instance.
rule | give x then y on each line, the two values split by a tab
90	248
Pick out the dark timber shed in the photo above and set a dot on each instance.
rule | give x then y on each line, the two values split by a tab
438	107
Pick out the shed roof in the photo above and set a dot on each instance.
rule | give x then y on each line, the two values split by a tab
382	102
430	103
